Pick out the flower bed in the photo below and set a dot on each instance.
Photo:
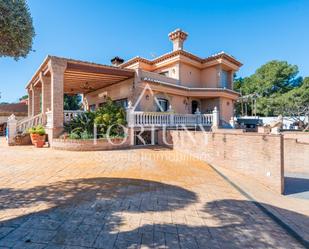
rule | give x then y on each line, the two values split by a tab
90	144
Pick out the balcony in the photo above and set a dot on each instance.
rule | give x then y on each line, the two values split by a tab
158	119
166	84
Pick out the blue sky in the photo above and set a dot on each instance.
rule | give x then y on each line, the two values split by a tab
253	31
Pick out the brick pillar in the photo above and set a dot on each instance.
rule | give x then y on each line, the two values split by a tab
46	93
29	102
36	100
57	67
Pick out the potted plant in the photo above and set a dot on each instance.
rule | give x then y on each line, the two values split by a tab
37	135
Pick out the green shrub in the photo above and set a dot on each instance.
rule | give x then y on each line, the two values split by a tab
74	136
37	130
81	123
86	135
109	115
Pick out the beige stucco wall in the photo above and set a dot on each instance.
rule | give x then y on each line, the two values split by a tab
226	110
147	102
209	104
121	90
190	76
209	77
224	105
173	70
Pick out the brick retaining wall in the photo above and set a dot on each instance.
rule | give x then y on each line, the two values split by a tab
296	156
300	136
256	155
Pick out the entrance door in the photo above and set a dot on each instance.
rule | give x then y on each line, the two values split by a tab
194	106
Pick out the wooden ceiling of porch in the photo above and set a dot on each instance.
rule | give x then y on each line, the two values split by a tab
84	78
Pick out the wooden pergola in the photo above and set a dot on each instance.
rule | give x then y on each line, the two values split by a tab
58	76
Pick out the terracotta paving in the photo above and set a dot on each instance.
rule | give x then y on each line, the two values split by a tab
142	198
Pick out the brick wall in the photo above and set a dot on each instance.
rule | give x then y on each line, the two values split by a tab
300	136
296	156
255	155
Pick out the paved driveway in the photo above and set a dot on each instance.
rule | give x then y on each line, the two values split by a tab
297	185
143	198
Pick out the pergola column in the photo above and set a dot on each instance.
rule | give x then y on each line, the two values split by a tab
57	68
29	102
36	100
46	93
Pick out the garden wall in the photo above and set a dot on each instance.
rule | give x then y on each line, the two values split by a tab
300	136
89	145
255	155
296	156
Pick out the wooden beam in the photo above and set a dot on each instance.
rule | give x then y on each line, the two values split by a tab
98	69
76	73
94	78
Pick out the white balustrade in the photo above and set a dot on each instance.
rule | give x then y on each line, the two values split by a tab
26	123
158	119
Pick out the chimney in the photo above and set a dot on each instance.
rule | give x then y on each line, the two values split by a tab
178	37
116	61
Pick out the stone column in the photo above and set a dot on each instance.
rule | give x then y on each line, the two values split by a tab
198	116
130	115
57	67
29	102
215	118
36	100
11	129
46	93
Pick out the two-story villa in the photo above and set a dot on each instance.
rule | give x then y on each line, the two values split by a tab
177	82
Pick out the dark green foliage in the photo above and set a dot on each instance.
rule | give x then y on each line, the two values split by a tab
110	118
272	78
23	97
277	85
110	115
16	29
72	102
81	124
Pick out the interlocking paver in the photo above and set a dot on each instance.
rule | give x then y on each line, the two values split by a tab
114	199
